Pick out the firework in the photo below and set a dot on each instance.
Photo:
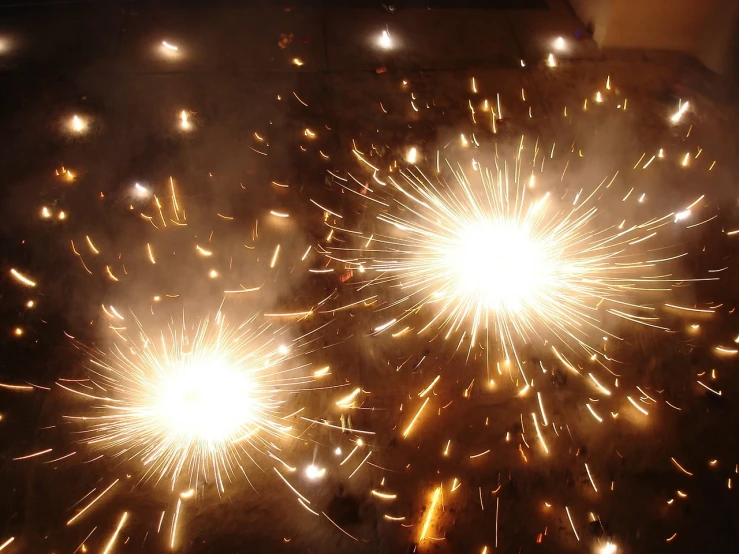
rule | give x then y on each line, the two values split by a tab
195	401
485	254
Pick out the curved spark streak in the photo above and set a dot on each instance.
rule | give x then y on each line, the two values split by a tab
195	401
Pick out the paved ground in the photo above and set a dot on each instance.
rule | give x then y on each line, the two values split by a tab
252	112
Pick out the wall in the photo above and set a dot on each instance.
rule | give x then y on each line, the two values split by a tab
706	29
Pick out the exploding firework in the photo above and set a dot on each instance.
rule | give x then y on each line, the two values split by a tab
197	400
478	256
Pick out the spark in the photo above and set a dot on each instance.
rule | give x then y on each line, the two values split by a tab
22	278
425	391
169	46
113	538
413	421
274	257
87	507
34	455
7	543
679	113
174	523
572	524
430	514
384	495
591	478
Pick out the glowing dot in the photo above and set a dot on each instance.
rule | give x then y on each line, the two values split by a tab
313	473
77	125
385	41
337	451
213	274
283	349
62	216
559	44
45	213
412	156
551	62
30	304
608	548
185	120
18	332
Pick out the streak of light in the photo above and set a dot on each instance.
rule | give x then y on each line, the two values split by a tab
572	524
348	400
679	113
429	514
413	421
681	468
22	278
384	495
339	528
6	543
541	408
538	433
169	46
591	478
726	351
596	416
94	500
274	257
425	391
34	455
113	537
633	403
174	524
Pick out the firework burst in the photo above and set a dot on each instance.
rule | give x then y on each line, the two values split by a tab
193	402
487	255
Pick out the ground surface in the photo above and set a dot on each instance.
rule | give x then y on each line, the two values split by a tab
249	107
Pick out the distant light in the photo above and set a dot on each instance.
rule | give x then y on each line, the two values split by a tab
45	213
62	216
412	156
338	451
313	473
297	61
685	214
608	548
185	121
677	116
30	304
77	124
385	40
551	62
141	191
18	332
213	274
283	349
560	44
169	46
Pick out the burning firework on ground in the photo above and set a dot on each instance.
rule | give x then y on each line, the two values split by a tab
197	401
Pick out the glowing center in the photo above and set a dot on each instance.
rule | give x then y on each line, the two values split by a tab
205	401
498	263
